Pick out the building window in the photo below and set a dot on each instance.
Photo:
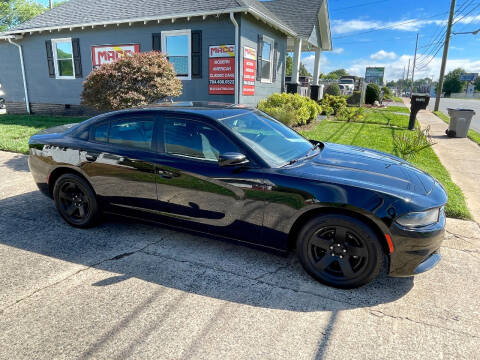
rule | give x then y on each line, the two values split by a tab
267	59
177	45
63	58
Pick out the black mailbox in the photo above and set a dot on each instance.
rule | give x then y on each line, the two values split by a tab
417	102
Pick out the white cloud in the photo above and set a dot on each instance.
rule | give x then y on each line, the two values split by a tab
348	26
394	69
337	51
382	54
309	62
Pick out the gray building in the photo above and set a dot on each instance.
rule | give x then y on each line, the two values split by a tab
223	50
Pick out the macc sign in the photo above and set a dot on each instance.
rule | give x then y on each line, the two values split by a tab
106	54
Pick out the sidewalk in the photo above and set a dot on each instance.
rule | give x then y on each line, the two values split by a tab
461	157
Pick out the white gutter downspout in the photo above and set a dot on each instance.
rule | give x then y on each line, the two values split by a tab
20	52
237	57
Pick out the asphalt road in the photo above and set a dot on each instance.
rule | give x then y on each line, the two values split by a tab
132	290
459	103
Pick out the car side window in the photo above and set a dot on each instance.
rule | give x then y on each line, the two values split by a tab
132	133
194	139
100	133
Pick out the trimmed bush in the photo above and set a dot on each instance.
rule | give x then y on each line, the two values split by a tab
333	89
136	80
290	109
372	94
332	104
354	99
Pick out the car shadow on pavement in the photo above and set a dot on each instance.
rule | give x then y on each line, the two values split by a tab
182	261
17	163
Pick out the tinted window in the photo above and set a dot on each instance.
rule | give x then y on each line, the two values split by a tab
195	139
100	133
131	133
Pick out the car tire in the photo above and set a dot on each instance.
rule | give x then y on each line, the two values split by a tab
339	251
76	201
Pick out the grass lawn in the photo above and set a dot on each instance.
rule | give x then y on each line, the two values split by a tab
15	130
386	116
399	109
472	134
377	136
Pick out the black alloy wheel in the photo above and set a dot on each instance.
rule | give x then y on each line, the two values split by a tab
75	201
340	251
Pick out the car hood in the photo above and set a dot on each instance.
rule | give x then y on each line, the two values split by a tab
365	168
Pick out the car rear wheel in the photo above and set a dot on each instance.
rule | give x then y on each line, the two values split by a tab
75	201
339	251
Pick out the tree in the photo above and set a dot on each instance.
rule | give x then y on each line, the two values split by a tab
289	66
452	82
136	80
15	12
336	74
477	84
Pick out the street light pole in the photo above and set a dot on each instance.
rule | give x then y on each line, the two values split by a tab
445	55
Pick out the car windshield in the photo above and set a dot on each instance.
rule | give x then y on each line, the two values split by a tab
274	142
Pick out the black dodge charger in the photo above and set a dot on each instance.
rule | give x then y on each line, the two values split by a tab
234	173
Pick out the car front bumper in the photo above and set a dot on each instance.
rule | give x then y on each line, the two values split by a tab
416	250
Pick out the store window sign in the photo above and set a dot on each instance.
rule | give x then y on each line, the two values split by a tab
249	71
221	76
106	54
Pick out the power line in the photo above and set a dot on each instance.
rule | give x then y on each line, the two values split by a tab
394	25
358	5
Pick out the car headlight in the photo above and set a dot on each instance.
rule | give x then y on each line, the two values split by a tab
419	219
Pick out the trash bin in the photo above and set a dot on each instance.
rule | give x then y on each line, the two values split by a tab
460	120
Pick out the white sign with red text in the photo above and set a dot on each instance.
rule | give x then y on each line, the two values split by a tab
106	54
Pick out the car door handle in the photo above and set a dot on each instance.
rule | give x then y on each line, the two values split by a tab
91	157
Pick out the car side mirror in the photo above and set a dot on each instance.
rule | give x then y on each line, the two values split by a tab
232	159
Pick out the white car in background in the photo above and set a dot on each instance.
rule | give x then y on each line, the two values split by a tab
347	86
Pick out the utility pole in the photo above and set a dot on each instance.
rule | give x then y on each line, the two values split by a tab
445	55
408	72
414	63
51	4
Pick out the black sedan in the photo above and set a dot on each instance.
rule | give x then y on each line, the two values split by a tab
235	173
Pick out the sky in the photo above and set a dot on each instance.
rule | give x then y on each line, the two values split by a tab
356	43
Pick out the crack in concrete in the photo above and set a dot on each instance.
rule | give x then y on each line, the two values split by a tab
380	314
463	238
85	268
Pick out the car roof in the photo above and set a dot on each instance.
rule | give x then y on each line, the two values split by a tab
214	110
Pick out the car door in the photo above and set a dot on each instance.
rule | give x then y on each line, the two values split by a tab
193	188
119	160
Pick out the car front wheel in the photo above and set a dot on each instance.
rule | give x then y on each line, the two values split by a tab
339	251
75	201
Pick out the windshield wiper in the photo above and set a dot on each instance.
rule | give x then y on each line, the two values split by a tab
316	146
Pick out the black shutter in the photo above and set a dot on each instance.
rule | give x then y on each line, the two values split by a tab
197	53
259	57
157	42
275	59
51	65
77	59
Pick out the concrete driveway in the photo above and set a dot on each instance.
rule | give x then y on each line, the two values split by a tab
459	103
131	290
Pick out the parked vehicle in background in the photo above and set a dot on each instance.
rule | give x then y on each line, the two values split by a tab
238	174
347	85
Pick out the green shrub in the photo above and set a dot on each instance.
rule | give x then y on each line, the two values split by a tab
137	80
333	89
332	104
355	114
372	94
290	109
354	99
386	91
409	143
